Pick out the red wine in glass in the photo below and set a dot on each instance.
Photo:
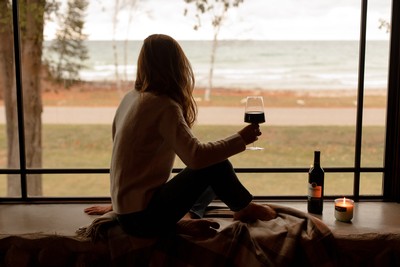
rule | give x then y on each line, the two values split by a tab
254	113
254	117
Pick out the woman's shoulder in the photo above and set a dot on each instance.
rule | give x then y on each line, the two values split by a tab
161	101
148	100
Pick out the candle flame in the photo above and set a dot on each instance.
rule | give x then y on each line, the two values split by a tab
344	200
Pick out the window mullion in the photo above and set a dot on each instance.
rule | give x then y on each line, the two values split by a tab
391	186
360	100
20	106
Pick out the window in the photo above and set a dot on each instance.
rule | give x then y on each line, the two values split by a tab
324	86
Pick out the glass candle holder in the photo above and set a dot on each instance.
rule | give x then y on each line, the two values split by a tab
344	209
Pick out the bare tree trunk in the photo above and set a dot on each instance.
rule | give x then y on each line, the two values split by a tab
115	48
131	8
126	45
7	86
213	7
207	92
217	28
31	56
126	60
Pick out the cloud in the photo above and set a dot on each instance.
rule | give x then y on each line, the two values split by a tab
254	19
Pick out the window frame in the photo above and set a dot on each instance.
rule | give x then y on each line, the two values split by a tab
390	170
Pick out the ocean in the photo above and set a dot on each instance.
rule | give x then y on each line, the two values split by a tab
263	65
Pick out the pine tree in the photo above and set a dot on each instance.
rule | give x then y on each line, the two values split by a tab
69	46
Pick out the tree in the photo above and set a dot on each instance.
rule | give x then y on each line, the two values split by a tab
31	32
69	44
7	87
32	16
117	8
218	10
129	6
384	24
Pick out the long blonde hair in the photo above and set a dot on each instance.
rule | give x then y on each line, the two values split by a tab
164	69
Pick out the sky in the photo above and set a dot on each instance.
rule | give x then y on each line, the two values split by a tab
253	19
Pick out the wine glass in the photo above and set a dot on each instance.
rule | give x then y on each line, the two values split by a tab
254	113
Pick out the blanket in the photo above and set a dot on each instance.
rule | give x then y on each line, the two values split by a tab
294	238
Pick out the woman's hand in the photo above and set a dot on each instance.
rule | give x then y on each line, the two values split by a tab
98	210
250	133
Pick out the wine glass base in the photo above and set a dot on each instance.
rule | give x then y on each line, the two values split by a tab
254	148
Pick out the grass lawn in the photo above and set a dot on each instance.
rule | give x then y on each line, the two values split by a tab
89	146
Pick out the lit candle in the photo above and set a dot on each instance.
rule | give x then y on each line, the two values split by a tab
344	209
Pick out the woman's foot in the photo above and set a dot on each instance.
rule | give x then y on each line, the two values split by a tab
255	212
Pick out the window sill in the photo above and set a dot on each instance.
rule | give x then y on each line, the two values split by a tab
372	237
64	219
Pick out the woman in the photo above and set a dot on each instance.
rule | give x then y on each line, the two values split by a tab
152	125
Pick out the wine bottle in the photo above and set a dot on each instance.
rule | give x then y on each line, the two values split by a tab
316	175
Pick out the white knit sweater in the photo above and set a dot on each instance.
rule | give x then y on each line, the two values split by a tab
148	131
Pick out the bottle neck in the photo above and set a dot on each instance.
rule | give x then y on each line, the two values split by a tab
317	156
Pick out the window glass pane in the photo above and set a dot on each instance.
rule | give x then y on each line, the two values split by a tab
275	184
3	185
371	184
376	77
10	185
338	184
75	185
3	142
373	146
305	64
299	56
76	145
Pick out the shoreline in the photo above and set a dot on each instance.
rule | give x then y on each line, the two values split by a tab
127	85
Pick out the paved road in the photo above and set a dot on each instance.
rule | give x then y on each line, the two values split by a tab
294	116
222	116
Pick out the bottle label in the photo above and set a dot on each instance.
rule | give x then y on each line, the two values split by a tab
314	190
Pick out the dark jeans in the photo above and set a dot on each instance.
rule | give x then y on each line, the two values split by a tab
176	197
199	208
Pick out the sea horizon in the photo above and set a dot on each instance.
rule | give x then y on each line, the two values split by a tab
255	64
